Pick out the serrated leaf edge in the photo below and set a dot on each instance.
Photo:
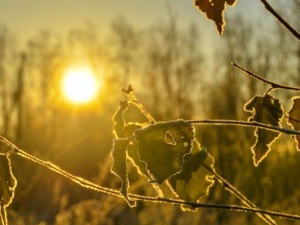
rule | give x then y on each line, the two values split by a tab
220	32
256	163
290	124
3	215
14	182
208	178
125	195
253	111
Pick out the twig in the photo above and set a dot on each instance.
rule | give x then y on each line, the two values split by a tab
82	182
244	124
280	19
273	85
229	187
134	100
90	185
218	206
3	216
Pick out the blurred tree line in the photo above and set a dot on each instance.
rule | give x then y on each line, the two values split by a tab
169	72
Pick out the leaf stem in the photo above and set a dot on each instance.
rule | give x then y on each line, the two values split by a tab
90	185
273	85
255	124
280	19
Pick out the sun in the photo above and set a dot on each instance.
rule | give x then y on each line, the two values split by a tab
79	85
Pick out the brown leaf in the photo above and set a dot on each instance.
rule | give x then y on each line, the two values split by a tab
119	167
214	10
294	119
267	110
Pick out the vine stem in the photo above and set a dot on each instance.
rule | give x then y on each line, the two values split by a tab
280	19
244	124
90	185
273	85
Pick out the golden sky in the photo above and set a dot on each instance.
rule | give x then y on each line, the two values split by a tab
27	17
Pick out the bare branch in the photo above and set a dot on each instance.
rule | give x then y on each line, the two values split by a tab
90	185
229	187
244	124
218	206
273	85
280	19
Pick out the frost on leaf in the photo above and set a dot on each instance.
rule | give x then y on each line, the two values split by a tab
294	119
135	159
162	147
126	130
194	180
214	10
8	185
121	128
118	120
267	110
119	167
141	166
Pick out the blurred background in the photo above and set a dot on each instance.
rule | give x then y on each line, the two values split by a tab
179	68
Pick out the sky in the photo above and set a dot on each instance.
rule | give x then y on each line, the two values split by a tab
27	18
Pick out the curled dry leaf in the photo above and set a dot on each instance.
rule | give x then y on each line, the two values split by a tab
8	185
214	10
119	122
119	167
126	130
294	119
267	110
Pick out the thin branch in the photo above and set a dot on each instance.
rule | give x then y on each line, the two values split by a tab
255	124
229	187
133	99
290	118
280	19
273	85
79	180
90	185
3	215
218	206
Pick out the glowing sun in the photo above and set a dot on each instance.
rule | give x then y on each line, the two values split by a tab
79	85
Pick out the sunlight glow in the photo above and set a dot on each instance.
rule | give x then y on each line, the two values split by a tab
80	85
